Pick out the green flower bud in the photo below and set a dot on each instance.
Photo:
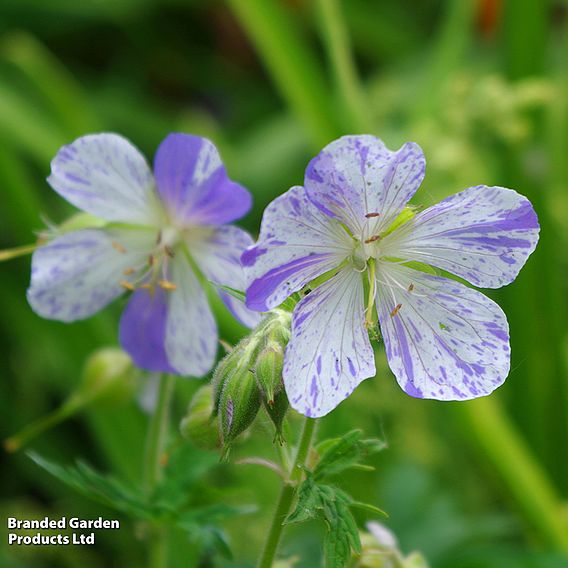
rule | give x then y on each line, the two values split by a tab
239	402
277	412
108	375
268	371
198	425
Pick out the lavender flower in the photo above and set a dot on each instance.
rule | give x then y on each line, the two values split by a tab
161	230
350	228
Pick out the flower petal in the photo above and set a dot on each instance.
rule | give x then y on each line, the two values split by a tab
357	176
171	331
143	330
191	331
193	182
443	340
77	274
296	244
483	234
219	257
329	352
105	175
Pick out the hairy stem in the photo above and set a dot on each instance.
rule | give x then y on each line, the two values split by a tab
287	495
155	441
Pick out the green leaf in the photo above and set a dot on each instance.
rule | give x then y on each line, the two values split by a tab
339	454
106	490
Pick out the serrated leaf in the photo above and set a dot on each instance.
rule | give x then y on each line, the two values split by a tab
307	504
343	453
104	489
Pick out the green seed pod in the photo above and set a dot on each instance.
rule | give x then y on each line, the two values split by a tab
198	425
268	371
277	413
239	402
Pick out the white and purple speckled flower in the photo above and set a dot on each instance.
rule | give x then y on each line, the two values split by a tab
350	222
160	229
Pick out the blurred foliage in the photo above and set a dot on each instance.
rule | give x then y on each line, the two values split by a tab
481	85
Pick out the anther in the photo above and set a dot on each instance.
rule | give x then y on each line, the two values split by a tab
118	247
159	237
167	285
411	287
127	285
396	310
146	286
372	239
151	260
371	215
128	271
169	251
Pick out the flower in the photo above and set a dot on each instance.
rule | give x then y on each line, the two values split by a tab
161	231
350	227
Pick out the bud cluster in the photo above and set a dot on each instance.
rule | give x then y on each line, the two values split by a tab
247	378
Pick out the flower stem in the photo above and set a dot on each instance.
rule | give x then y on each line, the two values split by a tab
287	495
155	441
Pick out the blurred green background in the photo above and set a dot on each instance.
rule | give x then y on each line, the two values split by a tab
480	85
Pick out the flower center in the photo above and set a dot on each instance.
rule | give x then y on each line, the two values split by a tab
155	271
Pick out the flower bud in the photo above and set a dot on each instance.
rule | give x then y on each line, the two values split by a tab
277	412
108	375
239	402
198	426
268	371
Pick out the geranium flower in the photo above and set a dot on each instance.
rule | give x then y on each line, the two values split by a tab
161	231
350	229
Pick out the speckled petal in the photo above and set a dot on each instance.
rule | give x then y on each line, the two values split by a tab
219	257
483	234
77	274
143	330
193	182
329	352
296	244
105	175
443	340
358	180
191	331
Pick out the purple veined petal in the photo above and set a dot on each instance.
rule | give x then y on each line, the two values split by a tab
79	273
482	234
329	352
191	331
297	243
143	330
358	180
219	258
193	182
171	331
105	175
443	340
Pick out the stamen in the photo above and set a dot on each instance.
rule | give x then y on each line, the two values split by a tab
167	285
127	285
146	286
128	271
396	310
372	239
159	237
151	260
169	251
411	287
371	215
118	247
